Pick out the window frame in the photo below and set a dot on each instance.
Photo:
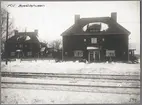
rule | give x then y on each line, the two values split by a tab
12	53
29	53
93	40
26	45
78	53
20	45
110	53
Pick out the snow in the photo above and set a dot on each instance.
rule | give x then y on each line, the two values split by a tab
27	38
14	96
104	26
50	66
46	94
118	83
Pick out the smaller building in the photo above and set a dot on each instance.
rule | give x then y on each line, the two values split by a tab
23	44
43	49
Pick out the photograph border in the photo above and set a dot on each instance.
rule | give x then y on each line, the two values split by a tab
86	1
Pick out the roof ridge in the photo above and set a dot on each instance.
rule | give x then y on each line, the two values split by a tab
115	27
95	17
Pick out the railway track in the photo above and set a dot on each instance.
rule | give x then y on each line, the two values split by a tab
130	84
70	87
66	75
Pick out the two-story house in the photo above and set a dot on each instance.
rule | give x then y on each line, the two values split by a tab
23	44
96	39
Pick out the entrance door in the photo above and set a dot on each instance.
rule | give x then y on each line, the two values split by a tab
93	56
19	54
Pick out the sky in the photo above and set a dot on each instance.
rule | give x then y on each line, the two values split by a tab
53	18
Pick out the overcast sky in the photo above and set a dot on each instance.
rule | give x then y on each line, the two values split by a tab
55	17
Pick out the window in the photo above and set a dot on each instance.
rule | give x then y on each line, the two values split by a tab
93	40
25	45
103	39
29	53
20	45
94	30
66	53
12	54
96	27
110	53
78	53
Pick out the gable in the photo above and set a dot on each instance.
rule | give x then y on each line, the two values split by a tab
113	27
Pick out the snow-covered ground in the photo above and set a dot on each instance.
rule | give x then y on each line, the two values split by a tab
50	66
37	94
24	96
117	83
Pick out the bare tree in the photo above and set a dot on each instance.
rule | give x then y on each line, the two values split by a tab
56	44
10	26
3	23
45	42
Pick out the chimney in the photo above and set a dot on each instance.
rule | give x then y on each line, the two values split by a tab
114	16
16	32
36	32
76	18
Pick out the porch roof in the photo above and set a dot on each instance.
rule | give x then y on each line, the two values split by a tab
92	48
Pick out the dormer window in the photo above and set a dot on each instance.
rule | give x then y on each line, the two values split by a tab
95	27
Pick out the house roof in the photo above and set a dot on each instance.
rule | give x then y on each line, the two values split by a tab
114	27
27	37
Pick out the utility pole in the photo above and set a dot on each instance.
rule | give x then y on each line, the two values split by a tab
6	51
62	50
128	49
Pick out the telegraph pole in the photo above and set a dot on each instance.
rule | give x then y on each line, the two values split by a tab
62	50
6	51
128	49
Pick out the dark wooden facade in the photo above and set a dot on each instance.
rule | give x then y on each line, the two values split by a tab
111	44
22	45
